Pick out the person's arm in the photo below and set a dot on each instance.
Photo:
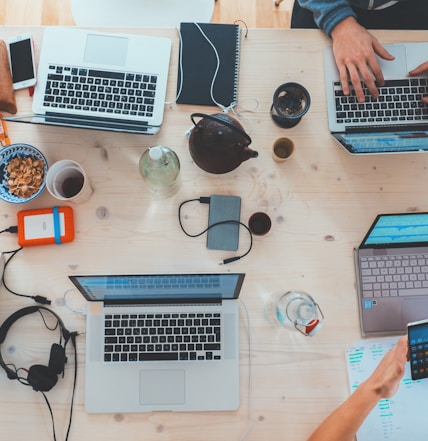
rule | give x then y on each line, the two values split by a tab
328	13
343	423
422	68
355	51
354	48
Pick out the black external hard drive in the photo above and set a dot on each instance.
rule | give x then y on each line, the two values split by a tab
224	236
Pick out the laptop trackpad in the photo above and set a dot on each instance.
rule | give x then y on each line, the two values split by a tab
396	68
162	386
414	310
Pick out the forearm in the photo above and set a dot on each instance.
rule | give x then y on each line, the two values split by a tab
343	423
328	13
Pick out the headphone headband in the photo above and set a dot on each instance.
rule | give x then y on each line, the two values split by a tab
26	311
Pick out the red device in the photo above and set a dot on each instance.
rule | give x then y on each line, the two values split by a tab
45	226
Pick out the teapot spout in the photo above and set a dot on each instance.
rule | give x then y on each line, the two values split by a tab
248	153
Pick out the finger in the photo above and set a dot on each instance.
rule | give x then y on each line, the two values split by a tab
344	79
402	347
373	77
420	69
355	76
374	63
381	51
372	82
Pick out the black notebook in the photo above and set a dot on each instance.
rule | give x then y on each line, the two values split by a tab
198	64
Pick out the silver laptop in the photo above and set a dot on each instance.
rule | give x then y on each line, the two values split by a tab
397	121
100	80
161	342
392	273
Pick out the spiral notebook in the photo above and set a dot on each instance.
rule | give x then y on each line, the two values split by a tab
198	64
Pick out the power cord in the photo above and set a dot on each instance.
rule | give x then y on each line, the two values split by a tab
250	373
73	336
206	200
38	299
68	306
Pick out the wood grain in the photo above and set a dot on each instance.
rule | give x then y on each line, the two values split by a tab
321	203
255	13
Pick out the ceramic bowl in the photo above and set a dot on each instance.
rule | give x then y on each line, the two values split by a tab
12	184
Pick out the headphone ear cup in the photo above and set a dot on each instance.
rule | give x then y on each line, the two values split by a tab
41	378
57	359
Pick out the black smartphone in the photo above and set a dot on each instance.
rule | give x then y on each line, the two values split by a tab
418	349
21	60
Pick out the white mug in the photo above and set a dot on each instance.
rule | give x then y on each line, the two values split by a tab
67	181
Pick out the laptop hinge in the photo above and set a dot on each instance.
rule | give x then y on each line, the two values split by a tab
93	121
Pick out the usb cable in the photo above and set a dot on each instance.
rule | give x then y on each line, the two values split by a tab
206	200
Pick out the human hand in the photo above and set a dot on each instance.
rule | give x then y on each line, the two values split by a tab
355	51
422	68
385	379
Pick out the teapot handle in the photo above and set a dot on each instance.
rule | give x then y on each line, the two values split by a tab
219	120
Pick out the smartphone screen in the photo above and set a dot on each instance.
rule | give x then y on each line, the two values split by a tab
21	62
418	349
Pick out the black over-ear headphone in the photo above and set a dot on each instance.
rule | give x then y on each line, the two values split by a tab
40	378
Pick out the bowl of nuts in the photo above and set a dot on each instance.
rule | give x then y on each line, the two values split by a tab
23	171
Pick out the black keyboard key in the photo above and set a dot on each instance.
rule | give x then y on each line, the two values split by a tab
158	356
212	346
106	74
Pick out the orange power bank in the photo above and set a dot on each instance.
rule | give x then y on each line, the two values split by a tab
45	226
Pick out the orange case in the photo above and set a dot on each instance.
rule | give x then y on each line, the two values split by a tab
57	237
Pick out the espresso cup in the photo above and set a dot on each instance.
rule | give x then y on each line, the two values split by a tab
67	181
259	223
283	149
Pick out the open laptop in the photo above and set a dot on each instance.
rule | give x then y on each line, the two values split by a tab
161	342
397	121
392	273
100	80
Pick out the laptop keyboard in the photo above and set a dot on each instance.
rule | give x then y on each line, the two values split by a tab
159	337
399	100
103	92
390	276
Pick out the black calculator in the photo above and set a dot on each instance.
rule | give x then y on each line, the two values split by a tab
418	349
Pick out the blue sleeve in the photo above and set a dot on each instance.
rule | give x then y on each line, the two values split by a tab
328	13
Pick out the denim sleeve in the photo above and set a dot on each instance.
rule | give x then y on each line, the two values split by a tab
328	13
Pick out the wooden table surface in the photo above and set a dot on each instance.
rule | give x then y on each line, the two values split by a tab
321	203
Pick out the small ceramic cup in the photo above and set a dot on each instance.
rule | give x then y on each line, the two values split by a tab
259	223
282	149
67	181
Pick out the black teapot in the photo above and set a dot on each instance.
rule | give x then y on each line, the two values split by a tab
218	143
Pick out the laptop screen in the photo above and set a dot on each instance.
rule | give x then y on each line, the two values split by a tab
384	142
397	229
159	287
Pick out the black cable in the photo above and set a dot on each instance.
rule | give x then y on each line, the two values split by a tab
73	336
13	229
206	200
39	299
52	416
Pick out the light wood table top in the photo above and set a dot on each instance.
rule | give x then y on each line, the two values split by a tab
321	203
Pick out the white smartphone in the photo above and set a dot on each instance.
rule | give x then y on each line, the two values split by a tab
21	60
